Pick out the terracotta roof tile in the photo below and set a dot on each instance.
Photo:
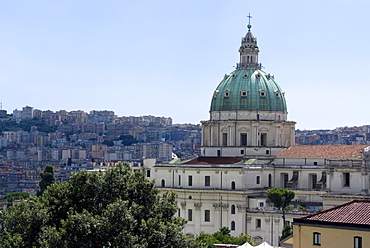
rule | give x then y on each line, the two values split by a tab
354	212
213	160
323	151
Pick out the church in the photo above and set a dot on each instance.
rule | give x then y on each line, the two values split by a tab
248	147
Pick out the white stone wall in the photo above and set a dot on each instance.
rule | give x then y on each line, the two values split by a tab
228	133
243	115
300	161
356	181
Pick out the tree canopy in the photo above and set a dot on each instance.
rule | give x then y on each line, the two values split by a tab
114	208
47	178
281	198
25	125
221	237
10	197
127	140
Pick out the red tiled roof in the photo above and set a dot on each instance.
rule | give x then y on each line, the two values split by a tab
323	151
213	160
354	212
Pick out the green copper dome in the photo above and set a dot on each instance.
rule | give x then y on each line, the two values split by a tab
248	89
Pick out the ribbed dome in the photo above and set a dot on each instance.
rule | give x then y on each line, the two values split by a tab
248	89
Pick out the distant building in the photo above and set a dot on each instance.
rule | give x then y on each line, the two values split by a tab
27	113
3	113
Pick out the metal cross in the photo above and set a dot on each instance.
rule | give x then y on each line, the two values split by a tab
249	16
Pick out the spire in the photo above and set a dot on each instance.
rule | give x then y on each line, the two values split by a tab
249	22
248	50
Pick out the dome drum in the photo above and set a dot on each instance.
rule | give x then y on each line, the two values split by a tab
245	115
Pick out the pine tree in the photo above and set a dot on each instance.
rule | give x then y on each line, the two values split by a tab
47	179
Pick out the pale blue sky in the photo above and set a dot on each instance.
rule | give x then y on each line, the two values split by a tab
165	58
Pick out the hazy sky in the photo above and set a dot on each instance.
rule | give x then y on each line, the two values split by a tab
165	58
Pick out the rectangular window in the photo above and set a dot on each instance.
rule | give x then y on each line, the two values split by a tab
316	238
258	180
263	139
258	223
207	215
179	180
261	204
224	139
241	151
243	139
190	180
357	242
147	173
314	181
190	214
285	179
346	180
178	213
218	153
207	181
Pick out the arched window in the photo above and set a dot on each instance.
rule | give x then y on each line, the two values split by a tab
233	185
232	226
163	183
233	209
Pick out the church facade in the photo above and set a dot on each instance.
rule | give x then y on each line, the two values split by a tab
248	148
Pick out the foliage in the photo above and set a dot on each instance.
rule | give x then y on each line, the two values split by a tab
10	197
26	125
108	143
287	231
221	237
281	198
127	140
47	179
302	207
115	208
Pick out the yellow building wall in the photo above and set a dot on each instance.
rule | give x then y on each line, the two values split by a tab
330	237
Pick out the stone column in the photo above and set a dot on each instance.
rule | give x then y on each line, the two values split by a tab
255	134
364	182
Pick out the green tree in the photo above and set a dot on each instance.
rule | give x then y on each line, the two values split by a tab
10	197
281	198
221	237
47	179
287	231
114	208
127	140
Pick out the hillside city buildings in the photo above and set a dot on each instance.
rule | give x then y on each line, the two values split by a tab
78	140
